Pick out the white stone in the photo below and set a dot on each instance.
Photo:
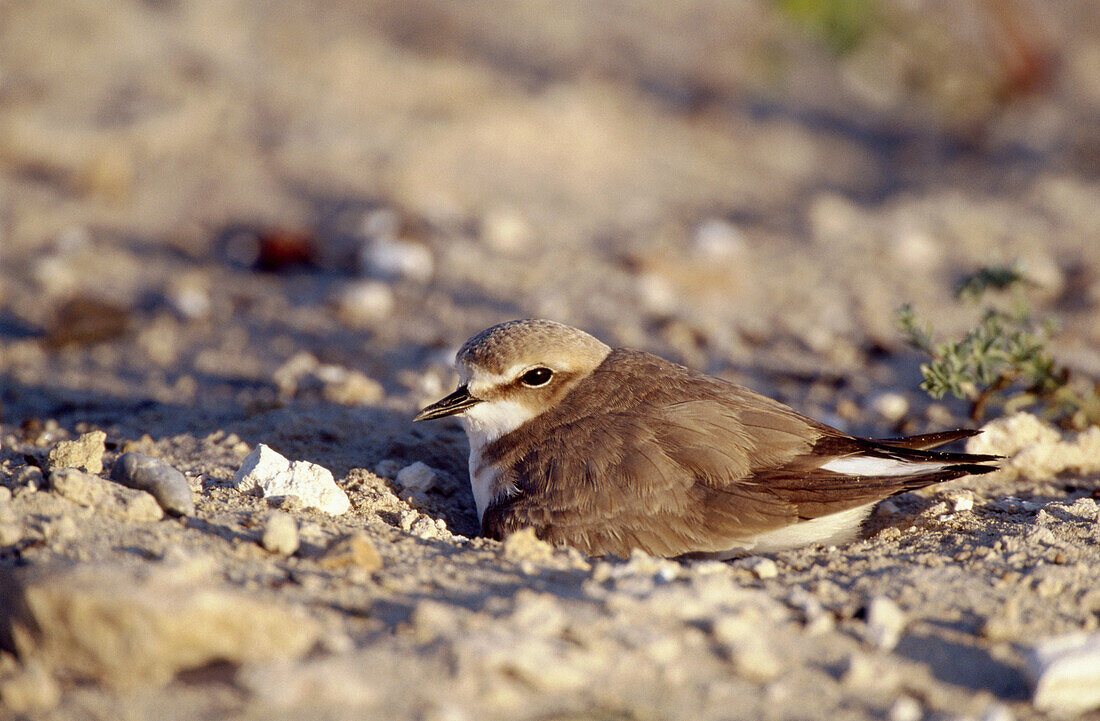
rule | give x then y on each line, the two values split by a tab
190	298
506	230
961	501
417	477
1064	672
891	406
885	622
266	473
764	568
997	712
914	249
905	708
380	223
365	301
657	293
280	534
392	258
717	240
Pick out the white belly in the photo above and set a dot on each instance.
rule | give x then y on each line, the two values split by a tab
831	530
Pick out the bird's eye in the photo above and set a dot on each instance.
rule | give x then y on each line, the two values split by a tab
536	377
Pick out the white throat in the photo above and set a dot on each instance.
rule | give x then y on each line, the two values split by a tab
484	423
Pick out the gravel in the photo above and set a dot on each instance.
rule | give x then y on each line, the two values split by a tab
712	182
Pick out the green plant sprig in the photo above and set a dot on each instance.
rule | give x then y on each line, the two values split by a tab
1003	360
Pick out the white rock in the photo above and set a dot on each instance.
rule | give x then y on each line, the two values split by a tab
280	534
391	258
266	473
190	297
915	249
381	223
717	240
657	293
764	568
885	622
365	301
506	230
1064	672
905	708
417	477
859	671
891	406
960	501
997	712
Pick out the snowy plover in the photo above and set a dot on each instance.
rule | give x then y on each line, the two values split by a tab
608	450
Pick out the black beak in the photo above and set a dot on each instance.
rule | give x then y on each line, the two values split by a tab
457	402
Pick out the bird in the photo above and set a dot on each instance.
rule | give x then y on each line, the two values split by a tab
612	450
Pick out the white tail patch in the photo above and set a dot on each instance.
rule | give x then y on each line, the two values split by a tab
871	466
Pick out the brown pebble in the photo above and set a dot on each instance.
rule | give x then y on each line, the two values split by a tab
85	320
353	551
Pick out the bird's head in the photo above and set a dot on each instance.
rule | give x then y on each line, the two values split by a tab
512	372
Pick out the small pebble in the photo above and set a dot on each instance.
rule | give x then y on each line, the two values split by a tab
891	406
85	452
356	550
417	477
154	476
717	240
657	294
997	712
764	568
391	258
10	534
887	509
1014	506
506	230
916	249
32	689
859	671
905	708
960	501
281	534
190	300
365	302
524	545
885	623
30	477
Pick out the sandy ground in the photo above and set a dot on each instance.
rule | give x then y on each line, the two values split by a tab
704	180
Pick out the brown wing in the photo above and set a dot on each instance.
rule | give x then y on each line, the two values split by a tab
670	476
649	470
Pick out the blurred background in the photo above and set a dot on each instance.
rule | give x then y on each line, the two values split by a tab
209	210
